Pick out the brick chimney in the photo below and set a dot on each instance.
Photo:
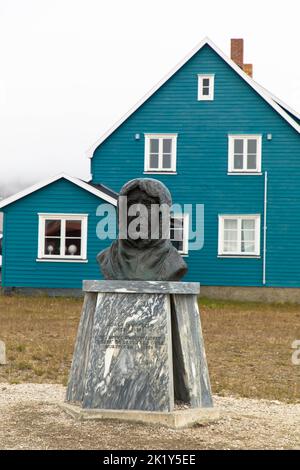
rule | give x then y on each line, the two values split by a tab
237	55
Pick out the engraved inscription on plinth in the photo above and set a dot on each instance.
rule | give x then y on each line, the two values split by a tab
130	357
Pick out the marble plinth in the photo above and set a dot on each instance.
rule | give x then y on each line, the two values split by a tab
175	419
139	347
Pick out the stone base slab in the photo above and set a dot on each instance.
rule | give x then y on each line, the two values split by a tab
176	419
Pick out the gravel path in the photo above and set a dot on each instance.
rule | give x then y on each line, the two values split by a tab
31	419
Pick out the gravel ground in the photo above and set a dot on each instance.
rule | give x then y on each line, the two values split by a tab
31	419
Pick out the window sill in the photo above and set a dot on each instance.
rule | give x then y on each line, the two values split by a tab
244	173
240	256
152	172
61	260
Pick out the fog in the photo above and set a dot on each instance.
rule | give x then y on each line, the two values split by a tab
71	68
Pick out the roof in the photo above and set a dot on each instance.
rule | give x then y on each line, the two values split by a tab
98	190
283	109
105	189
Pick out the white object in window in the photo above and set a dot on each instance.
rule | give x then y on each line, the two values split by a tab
62	236
244	153
239	235
160	152
179	232
206	84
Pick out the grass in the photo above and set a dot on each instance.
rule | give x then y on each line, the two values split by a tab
248	344
248	347
39	333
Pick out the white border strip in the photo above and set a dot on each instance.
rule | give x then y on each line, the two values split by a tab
42	184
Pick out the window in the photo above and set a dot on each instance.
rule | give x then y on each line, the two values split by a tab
206	87
239	235
244	154
160	153
179	232
62	236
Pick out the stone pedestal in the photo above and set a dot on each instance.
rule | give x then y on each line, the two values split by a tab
139	347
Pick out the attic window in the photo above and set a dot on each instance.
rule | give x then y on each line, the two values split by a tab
206	87
62	237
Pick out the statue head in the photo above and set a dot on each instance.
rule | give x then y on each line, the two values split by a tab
141	206
143	250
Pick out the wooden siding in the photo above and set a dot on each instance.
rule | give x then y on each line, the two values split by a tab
20	248
202	148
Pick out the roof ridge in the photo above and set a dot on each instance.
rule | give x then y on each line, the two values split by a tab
266	95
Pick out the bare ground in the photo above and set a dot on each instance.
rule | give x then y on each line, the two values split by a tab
30	418
249	352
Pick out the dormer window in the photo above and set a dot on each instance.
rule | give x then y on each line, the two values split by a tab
206	87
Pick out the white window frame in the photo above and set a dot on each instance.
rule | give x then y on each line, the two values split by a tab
239	218
160	137
185	240
211	94
63	218
245	138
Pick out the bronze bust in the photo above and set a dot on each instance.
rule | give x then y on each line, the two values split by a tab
144	258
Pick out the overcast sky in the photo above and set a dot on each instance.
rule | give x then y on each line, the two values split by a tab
71	68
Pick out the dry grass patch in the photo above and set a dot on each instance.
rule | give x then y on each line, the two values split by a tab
248	345
39	333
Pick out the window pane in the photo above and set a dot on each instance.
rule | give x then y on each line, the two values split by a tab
153	145
248	247
205	82
248	236
238	162
52	228
176	222
230	235
205	91
252	146
178	245
230	224
166	161
238	146
167	146
154	160
248	224
176	235
73	247
73	228
176	232
230	247
251	162
52	246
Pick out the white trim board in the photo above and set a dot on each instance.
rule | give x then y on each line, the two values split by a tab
42	184
280	102
266	95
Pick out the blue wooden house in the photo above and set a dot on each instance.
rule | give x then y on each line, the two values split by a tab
216	138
